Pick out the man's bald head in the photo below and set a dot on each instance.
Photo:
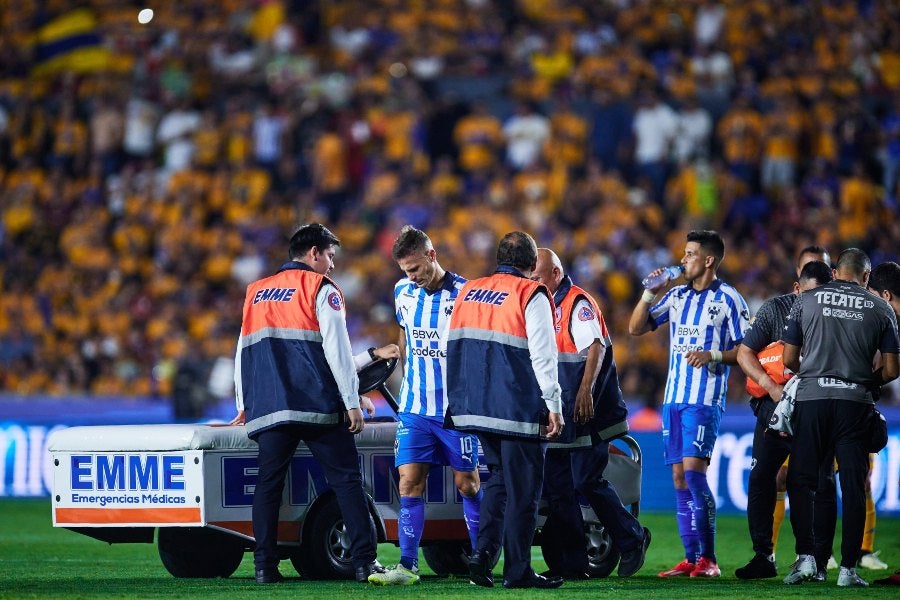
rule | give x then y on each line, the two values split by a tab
548	269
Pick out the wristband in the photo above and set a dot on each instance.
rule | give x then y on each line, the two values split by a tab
372	354
648	297
715	356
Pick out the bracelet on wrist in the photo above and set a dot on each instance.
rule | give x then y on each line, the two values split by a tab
372	354
648	297
715	356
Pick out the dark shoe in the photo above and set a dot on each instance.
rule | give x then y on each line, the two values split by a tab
573	575
363	572
534	581
480	570
759	567
821	575
269	575
893	580
632	561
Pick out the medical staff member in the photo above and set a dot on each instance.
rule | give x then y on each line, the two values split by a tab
503	385
595	410
295	379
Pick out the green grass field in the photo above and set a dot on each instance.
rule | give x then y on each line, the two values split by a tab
39	561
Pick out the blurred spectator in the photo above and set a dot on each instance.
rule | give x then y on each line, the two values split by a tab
107	127
479	136
329	170
782	130
141	117
655	126
611	130
693	131
708	22
525	133
713	72
269	129
190	391
175	135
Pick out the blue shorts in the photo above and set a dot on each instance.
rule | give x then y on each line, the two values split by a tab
424	440
689	430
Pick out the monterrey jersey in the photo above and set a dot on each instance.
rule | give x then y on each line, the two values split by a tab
423	315
712	319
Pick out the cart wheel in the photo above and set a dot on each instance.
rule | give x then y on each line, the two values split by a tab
601	553
603	556
325	550
448	558
193	552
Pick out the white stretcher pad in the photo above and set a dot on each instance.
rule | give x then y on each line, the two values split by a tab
164	438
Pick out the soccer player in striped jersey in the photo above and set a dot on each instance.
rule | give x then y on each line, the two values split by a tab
424	301
707	319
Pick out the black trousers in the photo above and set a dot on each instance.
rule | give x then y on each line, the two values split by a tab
564	528
769	452
334	448
824	428
581	469
511	495
588	465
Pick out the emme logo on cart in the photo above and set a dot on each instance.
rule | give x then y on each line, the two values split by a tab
127	479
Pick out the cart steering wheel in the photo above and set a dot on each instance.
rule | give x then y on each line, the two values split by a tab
373	377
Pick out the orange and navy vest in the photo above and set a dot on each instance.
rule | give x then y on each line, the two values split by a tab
610	415
284	376
491	385
771	358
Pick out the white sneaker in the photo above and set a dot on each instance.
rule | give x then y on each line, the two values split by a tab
832	564
398	575
849	578
870	560
803	569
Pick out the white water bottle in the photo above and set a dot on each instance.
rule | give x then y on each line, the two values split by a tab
667	274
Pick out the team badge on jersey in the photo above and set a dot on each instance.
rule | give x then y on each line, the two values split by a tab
334	300
586	314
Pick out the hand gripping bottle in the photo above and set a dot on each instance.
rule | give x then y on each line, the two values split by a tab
667	274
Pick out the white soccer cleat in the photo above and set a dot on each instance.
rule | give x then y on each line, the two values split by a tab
803	569
870	560
832	564
849	578
398	575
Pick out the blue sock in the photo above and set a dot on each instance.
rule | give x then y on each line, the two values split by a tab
410	525
684	516
704	512
471	512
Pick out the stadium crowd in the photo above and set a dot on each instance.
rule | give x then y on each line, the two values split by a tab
140	196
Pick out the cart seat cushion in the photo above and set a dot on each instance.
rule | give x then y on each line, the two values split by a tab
161	438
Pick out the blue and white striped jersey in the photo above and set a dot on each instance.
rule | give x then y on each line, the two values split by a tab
713	319
423	316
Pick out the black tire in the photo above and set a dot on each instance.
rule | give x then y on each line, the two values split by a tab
198	552
603	556
601	553
448	558
325	550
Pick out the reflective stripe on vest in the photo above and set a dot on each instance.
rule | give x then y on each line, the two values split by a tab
490	380
285	377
